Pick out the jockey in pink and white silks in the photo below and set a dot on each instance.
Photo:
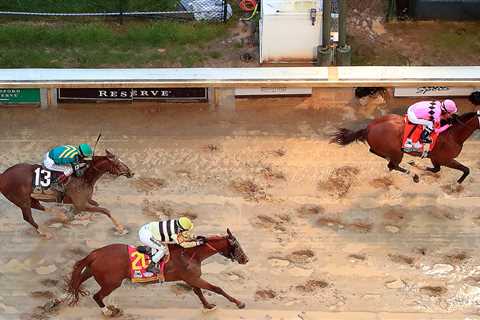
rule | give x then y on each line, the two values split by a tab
428	113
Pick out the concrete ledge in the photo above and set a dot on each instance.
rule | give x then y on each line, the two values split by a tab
242	77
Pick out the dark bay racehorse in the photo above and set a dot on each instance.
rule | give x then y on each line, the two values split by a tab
110	265
16	186
384	136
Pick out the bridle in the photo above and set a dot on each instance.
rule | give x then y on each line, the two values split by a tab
114	166
231	255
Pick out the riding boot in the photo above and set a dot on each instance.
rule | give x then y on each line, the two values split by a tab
425	137
153	267
59	183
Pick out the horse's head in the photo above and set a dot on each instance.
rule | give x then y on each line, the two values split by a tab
111	164
463	119
234	251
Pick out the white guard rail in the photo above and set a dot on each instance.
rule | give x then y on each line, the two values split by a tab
218	79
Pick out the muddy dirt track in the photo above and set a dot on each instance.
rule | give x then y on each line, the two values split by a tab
327	229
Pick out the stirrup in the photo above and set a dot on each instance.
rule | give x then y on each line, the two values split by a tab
153	268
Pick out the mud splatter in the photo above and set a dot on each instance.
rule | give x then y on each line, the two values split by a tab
47	294
269	222
271	174
399	258
309	210
422	251
212	147
340	181
453	188
456	258
49	282
395	215
265	294
180	288
360	257
444	213
311	286
77	251
147	185
335	223
382	183
279	152
473	281
164	209
433	291
301	256
249	189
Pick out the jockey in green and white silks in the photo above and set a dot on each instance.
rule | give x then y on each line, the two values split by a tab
67	158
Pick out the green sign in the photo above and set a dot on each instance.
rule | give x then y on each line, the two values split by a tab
19	96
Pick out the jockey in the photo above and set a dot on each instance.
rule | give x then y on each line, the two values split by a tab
67	159
158	233
428	113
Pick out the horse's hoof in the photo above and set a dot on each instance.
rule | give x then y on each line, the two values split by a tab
241	305
209	308
416	178
115	311
107	312
82	216
51	305
121	231
45	235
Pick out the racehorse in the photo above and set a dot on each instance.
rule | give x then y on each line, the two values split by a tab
384	136
110	265
16	186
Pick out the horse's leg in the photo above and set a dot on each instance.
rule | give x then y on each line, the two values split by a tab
59	213
200	283
93	202
106	212
80	203
394	164
204	301
454	164
105	290
434	169
27	216
35	204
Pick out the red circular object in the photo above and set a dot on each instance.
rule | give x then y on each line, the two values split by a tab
248	5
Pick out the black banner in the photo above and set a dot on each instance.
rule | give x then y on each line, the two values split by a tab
127	94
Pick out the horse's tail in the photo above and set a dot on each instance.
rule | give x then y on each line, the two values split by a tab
345	136
74	289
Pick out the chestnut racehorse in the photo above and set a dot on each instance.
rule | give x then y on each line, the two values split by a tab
384	136
16	186
110	265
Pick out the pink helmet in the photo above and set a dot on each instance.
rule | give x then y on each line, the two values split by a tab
449	106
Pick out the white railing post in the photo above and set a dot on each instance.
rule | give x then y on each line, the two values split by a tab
44	99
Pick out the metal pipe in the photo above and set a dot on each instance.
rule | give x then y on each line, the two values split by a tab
327	23
342	23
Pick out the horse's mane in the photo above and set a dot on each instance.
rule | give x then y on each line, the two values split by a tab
209	238
215	237
466	116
